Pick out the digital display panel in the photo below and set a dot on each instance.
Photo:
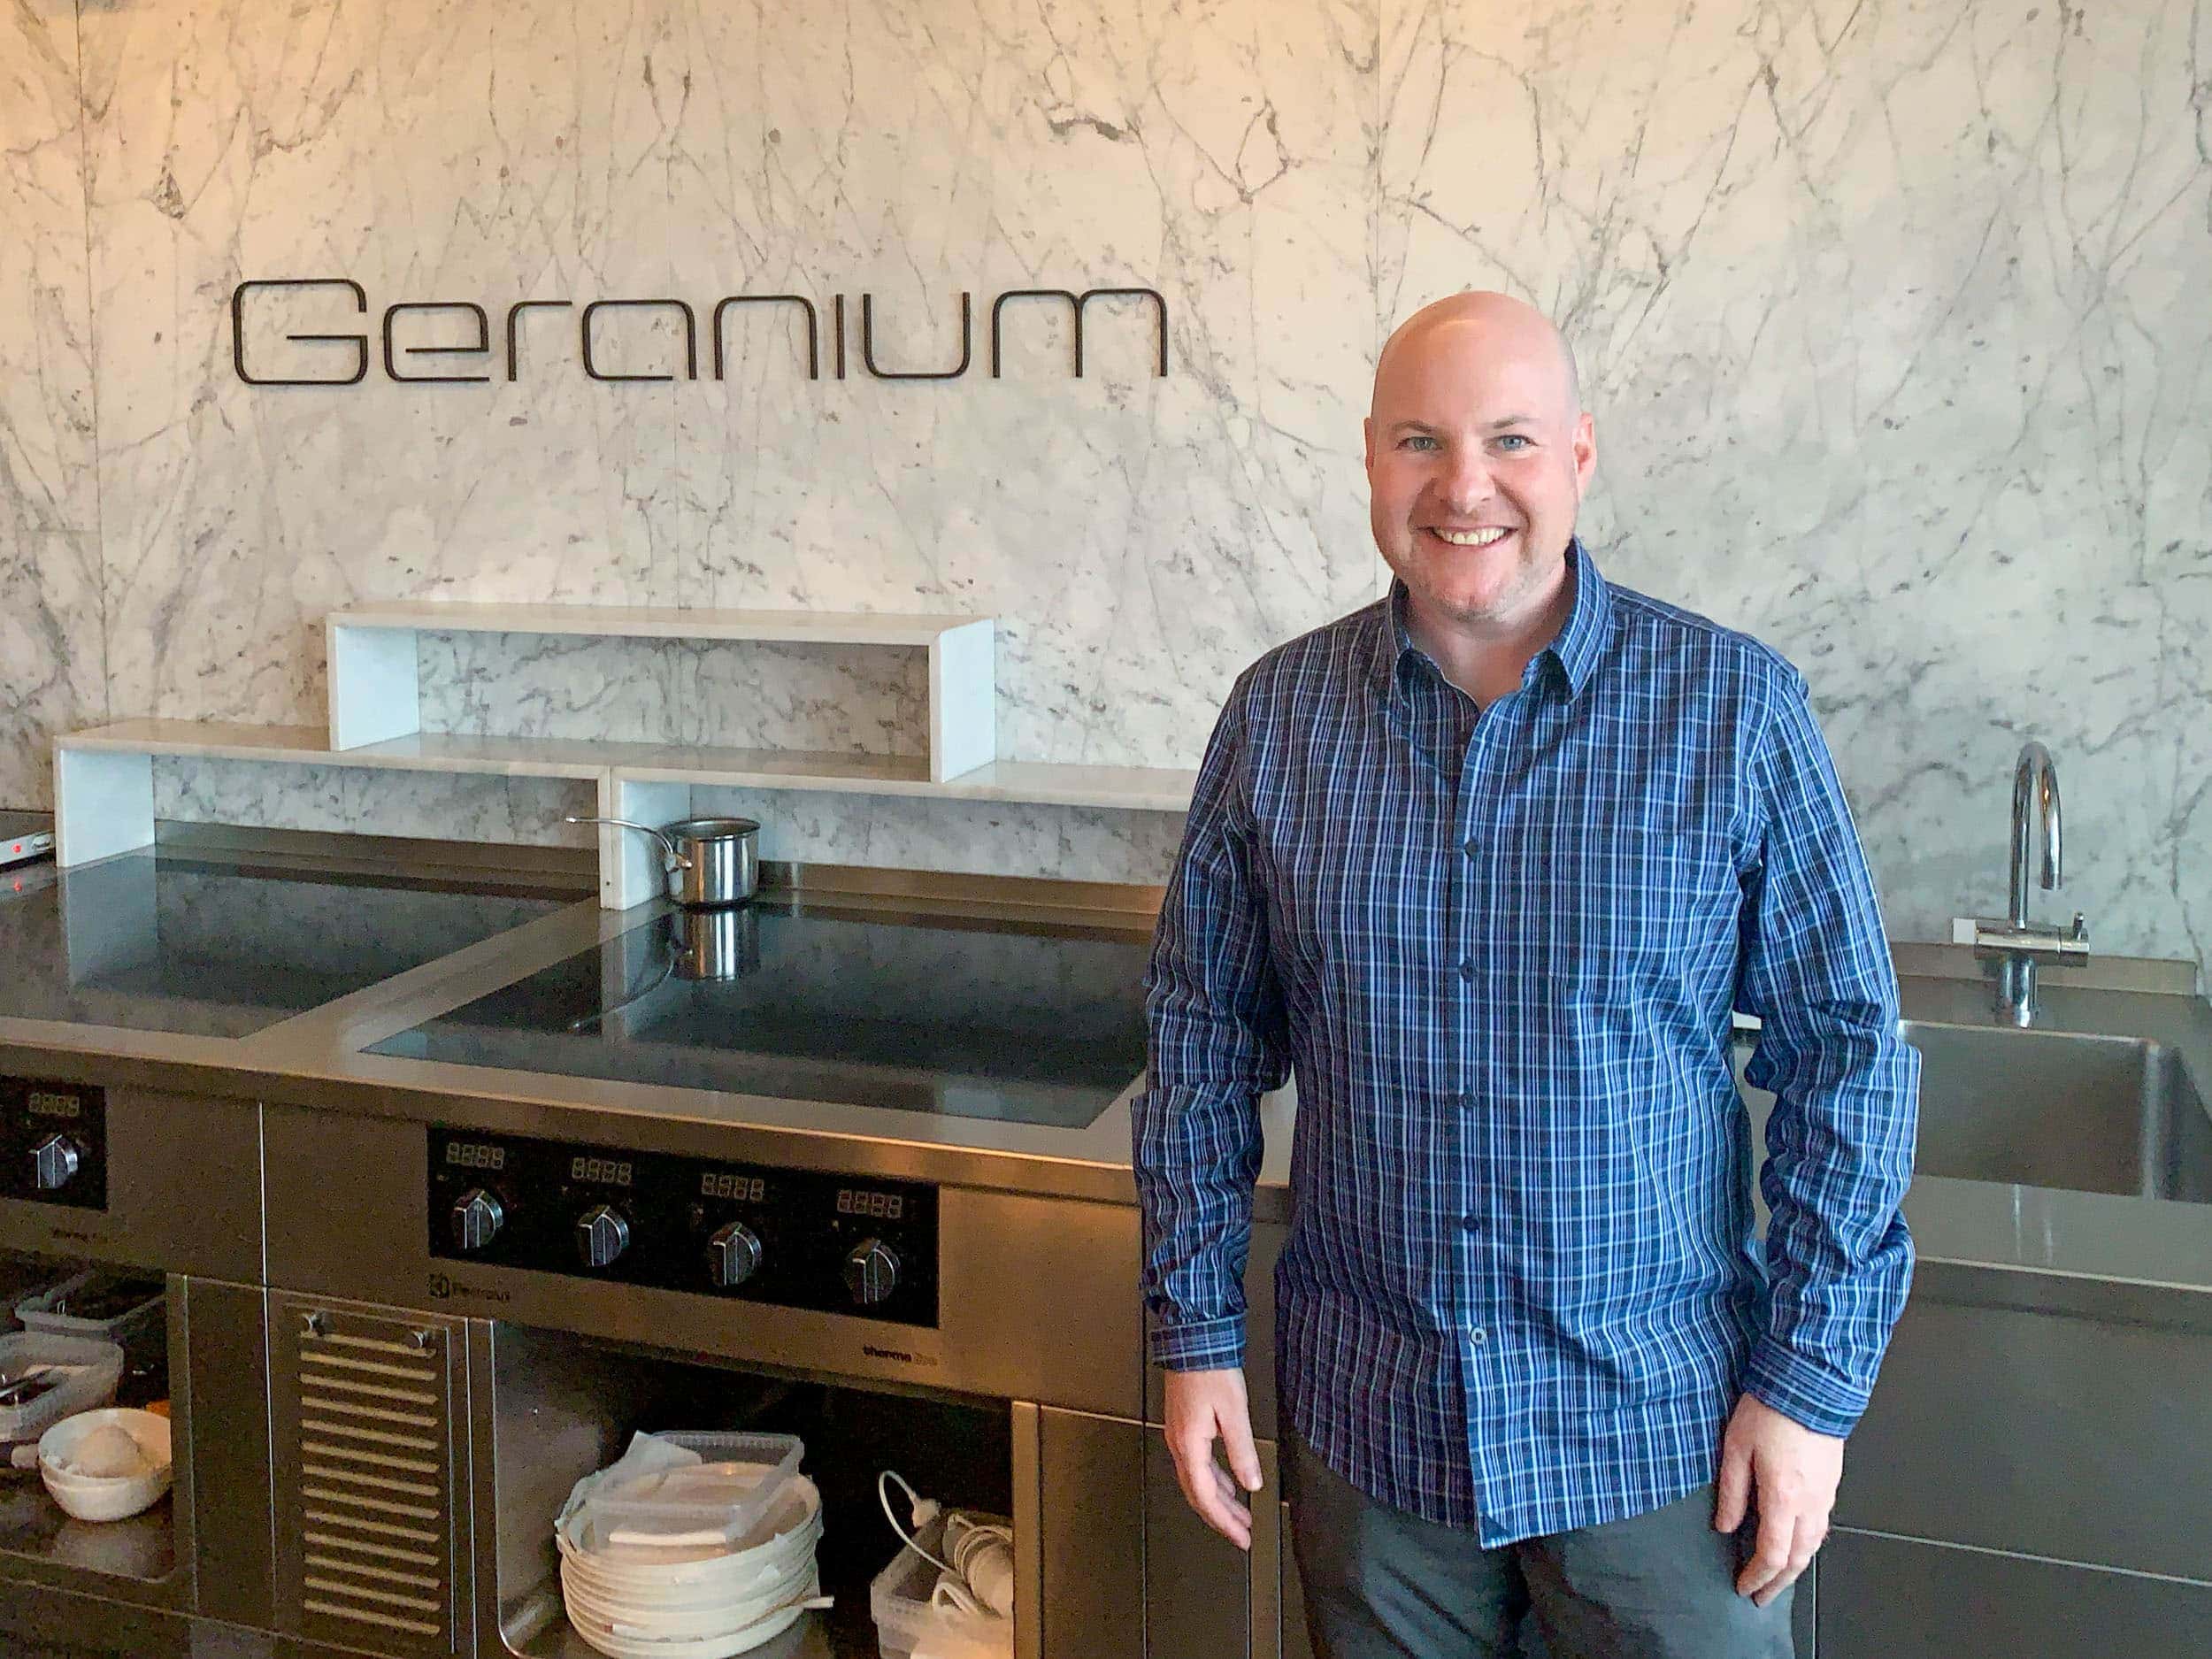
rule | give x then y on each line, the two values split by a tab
463	1155
48	1103
747	1189
605	1171
875	1206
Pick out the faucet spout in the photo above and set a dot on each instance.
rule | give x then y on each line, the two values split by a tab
2035	784
2013	944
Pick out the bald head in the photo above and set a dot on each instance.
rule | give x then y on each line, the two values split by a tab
1478	452
1490	324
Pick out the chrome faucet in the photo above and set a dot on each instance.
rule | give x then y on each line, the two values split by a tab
2016	943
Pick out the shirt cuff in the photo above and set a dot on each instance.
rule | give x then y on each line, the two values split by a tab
1200	1345
1802	1391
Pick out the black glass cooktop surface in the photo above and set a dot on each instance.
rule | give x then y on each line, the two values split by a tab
1023	1023
152	943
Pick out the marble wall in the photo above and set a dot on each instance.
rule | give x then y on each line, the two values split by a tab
1886	311
53	655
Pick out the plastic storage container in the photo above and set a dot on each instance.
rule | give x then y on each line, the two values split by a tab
697	1504
900	1596
89	1372
21	1279
100	1306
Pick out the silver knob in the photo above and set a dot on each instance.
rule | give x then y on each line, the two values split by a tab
476	1219
871	1271
54	1161
601	1234
732	1255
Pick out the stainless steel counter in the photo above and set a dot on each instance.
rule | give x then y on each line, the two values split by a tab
318	1060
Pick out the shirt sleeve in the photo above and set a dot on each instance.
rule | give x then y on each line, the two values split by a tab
1217	1044
1817	972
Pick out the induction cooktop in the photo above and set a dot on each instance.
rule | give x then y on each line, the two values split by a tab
149	943
1022	1023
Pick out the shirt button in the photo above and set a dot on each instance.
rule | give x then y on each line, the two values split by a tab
1467	970
1468	846
1478	1337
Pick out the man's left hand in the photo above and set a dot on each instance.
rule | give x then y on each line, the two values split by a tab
1793	1471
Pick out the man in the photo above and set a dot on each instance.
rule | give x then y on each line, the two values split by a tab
1488	864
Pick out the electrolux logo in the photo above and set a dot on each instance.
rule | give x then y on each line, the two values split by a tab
602	318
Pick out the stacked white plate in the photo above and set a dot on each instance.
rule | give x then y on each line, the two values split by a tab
638	1590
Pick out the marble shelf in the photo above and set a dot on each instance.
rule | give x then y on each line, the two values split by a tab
1035	783
655	787
103	778
104	799
375	688
790	628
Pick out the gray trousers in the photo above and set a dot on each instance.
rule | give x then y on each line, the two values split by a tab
1381	1584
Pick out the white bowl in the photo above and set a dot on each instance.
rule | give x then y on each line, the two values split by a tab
105	1497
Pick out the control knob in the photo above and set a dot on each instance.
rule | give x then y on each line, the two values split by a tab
732	1255
476	1219
871	1271
601	1234
54	1161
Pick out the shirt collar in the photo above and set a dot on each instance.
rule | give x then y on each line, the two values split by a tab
1574	654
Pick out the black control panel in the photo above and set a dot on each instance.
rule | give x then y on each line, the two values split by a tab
791	1238
53	1143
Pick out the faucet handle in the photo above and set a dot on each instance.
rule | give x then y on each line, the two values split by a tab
2081	928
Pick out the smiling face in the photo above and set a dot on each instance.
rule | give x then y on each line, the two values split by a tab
1477	460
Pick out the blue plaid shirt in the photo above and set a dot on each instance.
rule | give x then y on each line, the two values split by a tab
1522	1289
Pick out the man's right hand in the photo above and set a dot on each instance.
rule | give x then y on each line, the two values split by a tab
1204	1406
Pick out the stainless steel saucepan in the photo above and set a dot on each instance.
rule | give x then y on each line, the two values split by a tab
709	862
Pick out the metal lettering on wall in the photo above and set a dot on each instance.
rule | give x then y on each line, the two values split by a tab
600	320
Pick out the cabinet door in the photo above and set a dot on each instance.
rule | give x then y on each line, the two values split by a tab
1203	1598
1296	1645
2036	1430
1893	1598
1091	1517
368	1548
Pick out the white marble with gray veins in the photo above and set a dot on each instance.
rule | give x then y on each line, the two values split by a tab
1137	535
52	652
1892	319
971	837
1890	316
735	693
435	806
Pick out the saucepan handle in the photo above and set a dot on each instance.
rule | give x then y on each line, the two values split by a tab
670	859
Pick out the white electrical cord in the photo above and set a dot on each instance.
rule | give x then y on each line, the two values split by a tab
980	1579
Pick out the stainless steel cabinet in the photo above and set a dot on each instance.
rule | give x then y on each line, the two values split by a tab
1089	1560
2028	1428
2032	1476
1203	1598
1886	1598
369	1430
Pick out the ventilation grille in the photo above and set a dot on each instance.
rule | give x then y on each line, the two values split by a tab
367	1470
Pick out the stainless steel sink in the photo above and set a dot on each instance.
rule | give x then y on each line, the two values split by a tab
2094	1114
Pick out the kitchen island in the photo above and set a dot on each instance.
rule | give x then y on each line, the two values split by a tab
2051	1361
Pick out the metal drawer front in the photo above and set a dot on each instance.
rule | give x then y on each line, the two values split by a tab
1892	1598
366	1530
2042	1431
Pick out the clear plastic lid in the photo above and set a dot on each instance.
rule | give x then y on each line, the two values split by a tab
44	1378
716	1495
